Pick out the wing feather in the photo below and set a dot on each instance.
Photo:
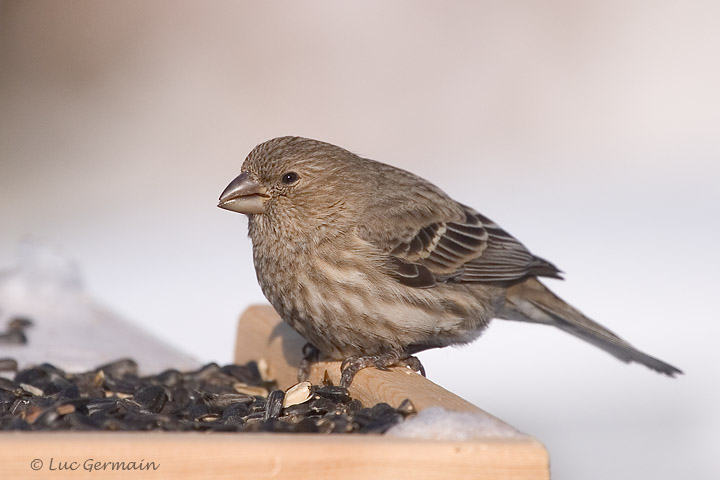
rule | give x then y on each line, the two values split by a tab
474	250
427	238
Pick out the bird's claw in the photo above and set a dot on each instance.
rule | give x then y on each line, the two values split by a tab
351	365
310	356
414	364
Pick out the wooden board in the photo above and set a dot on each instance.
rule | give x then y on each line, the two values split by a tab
261	456
263	335
251	456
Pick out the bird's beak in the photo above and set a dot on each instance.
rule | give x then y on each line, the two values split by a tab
244	195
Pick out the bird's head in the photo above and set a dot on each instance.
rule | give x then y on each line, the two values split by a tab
292	180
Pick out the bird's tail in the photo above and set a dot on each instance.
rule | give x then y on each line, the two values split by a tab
531	301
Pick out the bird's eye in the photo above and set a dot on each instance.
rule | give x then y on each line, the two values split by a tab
290	177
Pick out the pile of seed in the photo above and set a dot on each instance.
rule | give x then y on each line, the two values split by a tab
213	398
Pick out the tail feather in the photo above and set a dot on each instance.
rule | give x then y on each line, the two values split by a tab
531	301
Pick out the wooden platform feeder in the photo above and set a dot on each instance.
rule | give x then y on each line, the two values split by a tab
192	455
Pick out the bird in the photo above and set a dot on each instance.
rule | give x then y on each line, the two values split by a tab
373	264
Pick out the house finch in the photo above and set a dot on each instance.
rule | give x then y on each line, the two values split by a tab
372	264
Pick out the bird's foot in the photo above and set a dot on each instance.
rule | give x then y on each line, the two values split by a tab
310	355
351	365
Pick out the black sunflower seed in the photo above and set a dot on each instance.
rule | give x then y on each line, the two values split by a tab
113	397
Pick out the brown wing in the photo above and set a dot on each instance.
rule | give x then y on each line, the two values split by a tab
504	258
474	250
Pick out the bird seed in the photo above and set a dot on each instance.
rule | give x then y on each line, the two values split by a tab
235	398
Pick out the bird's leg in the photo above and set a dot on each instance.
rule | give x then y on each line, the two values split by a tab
351	365
310	355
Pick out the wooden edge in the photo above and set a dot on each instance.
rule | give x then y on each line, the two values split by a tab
262	334
255	456
251	456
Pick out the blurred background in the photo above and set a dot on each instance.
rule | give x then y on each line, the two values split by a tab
588	129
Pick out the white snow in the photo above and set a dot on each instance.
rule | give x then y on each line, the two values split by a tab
436	423
69	329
